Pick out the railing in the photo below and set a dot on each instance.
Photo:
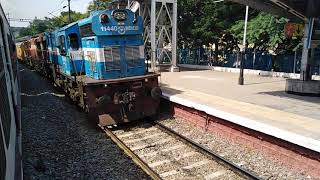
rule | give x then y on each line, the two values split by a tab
289	62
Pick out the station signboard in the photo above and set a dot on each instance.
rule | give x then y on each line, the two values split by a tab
293	30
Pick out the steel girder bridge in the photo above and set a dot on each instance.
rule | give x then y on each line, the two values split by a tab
160	35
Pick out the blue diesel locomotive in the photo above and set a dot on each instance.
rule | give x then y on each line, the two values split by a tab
99	62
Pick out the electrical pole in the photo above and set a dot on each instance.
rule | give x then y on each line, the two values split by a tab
8	16
69	11
243	49
97	5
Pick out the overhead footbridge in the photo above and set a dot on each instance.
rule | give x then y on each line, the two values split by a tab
293	9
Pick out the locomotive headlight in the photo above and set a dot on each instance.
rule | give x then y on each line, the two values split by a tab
104	18
120	15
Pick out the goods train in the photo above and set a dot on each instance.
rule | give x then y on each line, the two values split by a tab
99	62
10	121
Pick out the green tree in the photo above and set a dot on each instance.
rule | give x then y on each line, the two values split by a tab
26	31
202	22
103	4
63	19
264	32
49	24
38	26
202	19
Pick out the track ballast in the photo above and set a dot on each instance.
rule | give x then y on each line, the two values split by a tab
165	154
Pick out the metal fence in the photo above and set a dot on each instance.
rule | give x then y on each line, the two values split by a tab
289	62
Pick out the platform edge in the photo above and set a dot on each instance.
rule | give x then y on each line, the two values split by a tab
294	138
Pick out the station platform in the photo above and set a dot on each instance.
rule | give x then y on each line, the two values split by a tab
261	104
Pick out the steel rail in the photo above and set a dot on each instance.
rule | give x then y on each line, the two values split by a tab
131	154
228	164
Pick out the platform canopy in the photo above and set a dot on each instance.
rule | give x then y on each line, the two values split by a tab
292	9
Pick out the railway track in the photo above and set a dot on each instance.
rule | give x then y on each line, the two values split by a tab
164	154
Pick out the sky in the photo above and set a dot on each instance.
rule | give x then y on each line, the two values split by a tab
39	8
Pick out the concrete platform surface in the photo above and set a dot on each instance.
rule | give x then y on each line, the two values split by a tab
261	104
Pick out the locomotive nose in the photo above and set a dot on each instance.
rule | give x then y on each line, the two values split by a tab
156	93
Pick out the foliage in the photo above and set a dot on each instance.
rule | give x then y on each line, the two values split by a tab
264	31
48	24
63	19
103	4
35	27
202	22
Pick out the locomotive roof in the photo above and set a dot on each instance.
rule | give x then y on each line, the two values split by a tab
88	20
85	21
37	35
23	39
68	26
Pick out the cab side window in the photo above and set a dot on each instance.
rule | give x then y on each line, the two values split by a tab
38	45
44	44
62	46
74	41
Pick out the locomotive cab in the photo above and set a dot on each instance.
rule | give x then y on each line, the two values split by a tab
113	44
69	51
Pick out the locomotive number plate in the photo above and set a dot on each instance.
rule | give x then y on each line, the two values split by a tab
120	29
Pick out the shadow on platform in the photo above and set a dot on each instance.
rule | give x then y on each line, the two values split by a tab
283	94
269	82
166	68
166	89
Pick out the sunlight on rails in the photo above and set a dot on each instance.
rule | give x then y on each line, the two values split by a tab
44	93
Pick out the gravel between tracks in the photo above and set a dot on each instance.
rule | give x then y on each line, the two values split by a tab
247	158
170	157
58	141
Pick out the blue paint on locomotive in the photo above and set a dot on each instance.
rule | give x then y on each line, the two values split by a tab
51	47
101	50
113	49
69	50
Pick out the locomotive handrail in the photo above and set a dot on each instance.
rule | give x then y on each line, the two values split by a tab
74	66
90	64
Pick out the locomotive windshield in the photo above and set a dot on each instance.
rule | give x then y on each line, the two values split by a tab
86	30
